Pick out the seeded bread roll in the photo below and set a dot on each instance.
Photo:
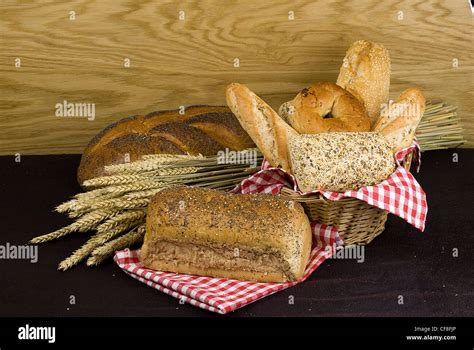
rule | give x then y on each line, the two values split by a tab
366	74
240	236
340	161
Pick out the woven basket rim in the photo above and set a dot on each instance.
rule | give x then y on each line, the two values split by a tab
310	197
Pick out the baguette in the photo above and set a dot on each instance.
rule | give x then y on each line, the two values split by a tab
269	132
240	236
340	161
398	122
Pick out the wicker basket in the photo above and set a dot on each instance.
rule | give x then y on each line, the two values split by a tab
356	221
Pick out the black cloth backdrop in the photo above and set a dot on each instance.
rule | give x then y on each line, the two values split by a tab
402	262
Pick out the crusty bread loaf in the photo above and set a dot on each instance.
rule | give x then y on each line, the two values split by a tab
325	107
240	236
365	73
201	129
398	122
269	132
340	161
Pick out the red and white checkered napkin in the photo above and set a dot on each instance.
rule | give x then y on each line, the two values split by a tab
399	194
223	295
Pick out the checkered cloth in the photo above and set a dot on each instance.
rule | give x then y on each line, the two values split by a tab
399	194
223	295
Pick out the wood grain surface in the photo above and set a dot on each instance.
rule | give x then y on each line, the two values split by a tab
177	62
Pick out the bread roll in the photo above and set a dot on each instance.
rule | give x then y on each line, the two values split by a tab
201	129
399	120
269	132
366	74
240	236
325	107
340	161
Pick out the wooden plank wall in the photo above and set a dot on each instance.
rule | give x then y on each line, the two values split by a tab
177	62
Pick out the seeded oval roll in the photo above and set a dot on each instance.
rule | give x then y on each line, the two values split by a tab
340	161
366	74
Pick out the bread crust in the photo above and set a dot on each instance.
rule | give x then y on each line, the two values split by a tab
161	265
263	224
200	130
340	161
269	132
399	121
365	73
325	107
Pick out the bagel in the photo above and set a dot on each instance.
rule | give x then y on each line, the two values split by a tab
325	107
365	73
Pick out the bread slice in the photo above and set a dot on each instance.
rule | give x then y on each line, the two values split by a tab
211	233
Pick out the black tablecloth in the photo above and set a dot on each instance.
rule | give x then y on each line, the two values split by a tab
402	264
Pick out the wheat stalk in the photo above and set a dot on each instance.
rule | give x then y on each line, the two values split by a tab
104	237
120	219
142	194
114	203
83	224
148	164
129	239
439	127
120	189
121	179
171	158
95	241
177	171
115	180
73	204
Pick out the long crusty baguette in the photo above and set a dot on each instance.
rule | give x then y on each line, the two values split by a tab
399	120
240	236
269	132
365	73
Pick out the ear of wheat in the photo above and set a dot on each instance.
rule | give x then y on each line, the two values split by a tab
127	240
115	206
439	128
